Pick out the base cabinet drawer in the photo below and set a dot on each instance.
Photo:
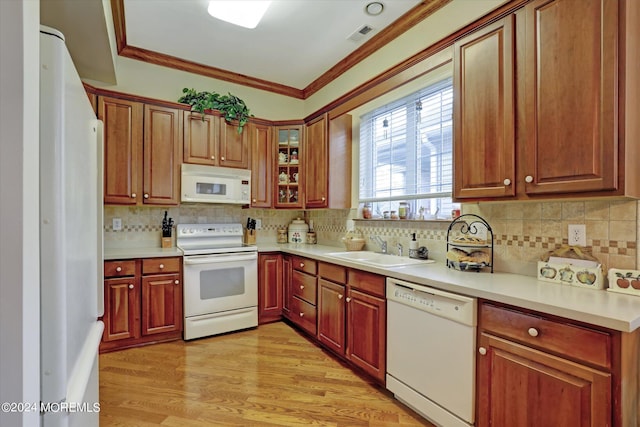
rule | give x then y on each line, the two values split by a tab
304	315
304	287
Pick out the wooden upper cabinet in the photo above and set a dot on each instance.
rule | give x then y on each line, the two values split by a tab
570	102
317	164
162	144
200	138
122	150
234	146
339	162
262	165
484	112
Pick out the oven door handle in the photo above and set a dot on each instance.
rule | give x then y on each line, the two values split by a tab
218	258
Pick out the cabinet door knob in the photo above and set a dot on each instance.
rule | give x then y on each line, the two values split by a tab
533	332
213	157
222	158
507	182
118	269
130	286
324	198
339	296
301	286
161	266
482	351
133	195
348	299
254	200
301	264
528	179
146	195
301	314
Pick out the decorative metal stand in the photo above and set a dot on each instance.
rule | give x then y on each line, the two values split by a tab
470	225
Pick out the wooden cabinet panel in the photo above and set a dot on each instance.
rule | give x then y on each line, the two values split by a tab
577	343
119	268
200	138
366	333
520	386
161	304
162	144
161	265
367	282
121	315
286	285
333	272
317	164
234	146
262	165
270	298
340	156
122	149
303	286
304	315
331	315
571	96
304	264
484	112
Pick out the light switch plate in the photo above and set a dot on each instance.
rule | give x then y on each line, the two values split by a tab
117	224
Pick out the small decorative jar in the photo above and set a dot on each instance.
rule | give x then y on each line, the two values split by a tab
282	235
366	211
403	210
311	238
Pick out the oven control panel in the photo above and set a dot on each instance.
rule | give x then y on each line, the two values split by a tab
208	230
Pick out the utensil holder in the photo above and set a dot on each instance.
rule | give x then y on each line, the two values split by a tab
166	242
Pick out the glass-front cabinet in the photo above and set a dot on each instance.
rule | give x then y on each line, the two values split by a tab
289	179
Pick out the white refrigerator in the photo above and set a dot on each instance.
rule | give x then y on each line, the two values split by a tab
71	273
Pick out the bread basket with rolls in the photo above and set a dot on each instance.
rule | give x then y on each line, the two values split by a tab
469	244
353	241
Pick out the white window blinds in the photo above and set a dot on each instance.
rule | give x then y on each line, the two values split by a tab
406	151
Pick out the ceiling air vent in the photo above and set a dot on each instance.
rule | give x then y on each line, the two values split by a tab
360	33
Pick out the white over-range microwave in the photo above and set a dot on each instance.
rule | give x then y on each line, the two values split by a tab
214	184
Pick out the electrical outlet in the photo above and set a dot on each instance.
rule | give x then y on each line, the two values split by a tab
577	235
258	224
117	224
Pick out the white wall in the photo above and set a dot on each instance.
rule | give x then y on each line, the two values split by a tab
19	247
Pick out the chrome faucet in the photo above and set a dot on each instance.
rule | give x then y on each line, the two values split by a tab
399	249
381	243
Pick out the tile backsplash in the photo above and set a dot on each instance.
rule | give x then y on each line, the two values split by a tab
522	231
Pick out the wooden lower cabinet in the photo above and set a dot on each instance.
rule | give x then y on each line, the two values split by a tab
366	332
142	302
286	285
538	370
270	300
331	315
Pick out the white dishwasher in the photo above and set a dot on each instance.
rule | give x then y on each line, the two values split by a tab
431	338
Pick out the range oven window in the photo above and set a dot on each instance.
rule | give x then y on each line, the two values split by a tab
211	188
220	283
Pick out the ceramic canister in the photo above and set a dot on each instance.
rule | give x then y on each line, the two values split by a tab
298	231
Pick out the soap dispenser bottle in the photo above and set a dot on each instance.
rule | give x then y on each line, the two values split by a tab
413	247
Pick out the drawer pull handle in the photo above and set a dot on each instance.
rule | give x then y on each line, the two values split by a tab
177	282
482	351
301	314
533	332
161	266
130	286
348	299
507	182
301	287
118	269
339	296
302	265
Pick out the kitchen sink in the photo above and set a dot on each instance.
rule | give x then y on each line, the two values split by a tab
377	259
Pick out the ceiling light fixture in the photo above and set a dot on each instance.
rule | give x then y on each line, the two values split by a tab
243	13
374	8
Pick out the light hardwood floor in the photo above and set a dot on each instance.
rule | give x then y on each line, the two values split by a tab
270	376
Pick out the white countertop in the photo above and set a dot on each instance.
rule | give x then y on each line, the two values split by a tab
597	307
